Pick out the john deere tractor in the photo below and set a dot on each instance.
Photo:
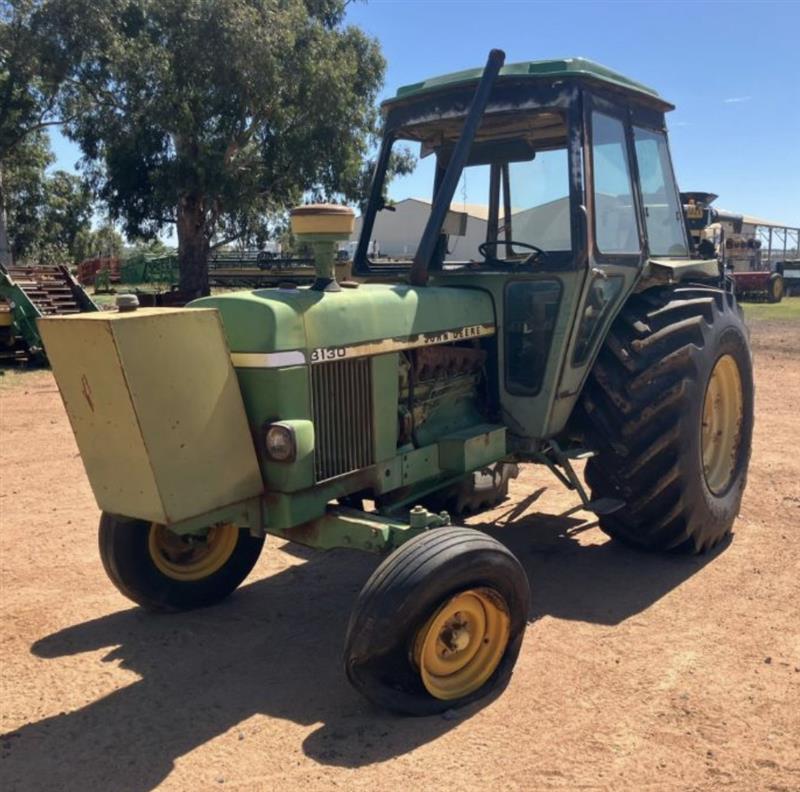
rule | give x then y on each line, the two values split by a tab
364	414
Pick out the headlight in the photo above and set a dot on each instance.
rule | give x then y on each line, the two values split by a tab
280	443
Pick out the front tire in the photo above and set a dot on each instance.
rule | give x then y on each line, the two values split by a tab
162	571
439	624
669	408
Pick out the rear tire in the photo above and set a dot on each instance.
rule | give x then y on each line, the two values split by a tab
671	427
403	611
139	561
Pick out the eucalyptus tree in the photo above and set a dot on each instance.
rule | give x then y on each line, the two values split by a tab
217	115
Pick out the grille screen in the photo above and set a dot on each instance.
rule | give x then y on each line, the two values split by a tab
342	404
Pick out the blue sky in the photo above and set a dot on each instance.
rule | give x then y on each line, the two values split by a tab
732	70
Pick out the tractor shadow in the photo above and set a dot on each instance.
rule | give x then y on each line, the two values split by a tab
275	648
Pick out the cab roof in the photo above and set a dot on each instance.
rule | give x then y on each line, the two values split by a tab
549	69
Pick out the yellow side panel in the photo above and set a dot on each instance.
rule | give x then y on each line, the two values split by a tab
156	410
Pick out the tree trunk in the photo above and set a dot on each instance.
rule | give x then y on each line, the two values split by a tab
5	249
193	247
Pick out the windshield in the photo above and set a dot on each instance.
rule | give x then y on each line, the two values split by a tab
512	199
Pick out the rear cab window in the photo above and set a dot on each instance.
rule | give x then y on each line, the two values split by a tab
663	214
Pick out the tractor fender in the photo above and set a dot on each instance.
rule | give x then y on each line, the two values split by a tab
667	272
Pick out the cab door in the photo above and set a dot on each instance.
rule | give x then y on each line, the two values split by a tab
616	247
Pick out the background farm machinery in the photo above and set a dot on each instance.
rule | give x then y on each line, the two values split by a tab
760	256
28	293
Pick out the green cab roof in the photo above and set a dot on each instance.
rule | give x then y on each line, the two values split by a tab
566	67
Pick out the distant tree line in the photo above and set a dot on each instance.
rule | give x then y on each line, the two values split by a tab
213	117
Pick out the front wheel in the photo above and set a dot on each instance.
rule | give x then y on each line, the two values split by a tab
162	571
439	623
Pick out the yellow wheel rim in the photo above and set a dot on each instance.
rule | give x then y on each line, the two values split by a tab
777	289
722	424
191	558
462	644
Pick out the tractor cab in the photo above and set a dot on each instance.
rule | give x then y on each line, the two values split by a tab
570	164
569	159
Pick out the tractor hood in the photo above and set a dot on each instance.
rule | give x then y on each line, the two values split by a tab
278	327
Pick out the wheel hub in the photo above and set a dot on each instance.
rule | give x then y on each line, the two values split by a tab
455	636
461	645
191	558
723	410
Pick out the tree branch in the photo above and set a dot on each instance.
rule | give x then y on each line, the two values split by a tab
225	241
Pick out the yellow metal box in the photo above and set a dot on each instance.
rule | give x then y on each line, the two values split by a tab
156	410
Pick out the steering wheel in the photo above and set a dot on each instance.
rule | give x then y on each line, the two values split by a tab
536	251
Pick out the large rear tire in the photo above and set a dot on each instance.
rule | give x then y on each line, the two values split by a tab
162	571
669	408
439	624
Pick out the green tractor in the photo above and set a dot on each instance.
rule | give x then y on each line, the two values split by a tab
364	414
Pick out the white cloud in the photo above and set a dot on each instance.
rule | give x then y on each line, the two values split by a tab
737	99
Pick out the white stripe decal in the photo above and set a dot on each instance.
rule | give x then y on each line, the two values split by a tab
324	354
384	345
268	359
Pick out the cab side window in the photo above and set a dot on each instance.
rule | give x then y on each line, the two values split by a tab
616	230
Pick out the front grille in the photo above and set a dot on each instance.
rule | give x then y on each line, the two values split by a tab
341	395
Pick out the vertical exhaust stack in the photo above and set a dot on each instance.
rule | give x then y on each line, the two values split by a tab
444	195
322	226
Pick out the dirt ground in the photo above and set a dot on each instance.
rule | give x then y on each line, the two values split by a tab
638	672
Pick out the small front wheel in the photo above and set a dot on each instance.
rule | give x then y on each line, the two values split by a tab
162	571
439	623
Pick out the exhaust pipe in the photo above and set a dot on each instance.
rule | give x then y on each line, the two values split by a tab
444	195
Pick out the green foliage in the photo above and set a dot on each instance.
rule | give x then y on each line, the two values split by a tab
35	51
401	162
39	45
102	242
65	213
217	116
147	247
46	214
23	191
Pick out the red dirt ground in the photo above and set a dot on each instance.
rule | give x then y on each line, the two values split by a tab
638	672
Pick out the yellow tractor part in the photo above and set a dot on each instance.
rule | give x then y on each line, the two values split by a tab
156	410
314	219
461	645
723	409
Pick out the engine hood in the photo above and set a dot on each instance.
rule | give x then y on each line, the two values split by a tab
369	319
